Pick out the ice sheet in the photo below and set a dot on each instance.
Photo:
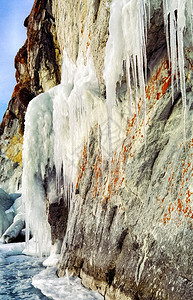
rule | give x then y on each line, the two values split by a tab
47	279
11	249
17	270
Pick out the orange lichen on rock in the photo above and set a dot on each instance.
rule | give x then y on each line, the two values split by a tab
130	124
161	80
106	186
189	61
182	205
154	91
115	180
83	164
97	174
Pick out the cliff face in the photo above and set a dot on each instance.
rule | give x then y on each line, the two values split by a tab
85	27
38	68
128	229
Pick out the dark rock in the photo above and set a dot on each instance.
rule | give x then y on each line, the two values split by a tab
57	218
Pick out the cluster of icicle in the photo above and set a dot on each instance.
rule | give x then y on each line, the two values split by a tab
57	127
129	22
177	15
58	122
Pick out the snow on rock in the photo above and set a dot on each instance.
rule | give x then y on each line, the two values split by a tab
52	260
13	231
58	122
15	217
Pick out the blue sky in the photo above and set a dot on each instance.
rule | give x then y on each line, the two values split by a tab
12	37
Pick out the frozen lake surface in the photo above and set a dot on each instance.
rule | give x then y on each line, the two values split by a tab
24	277
16	274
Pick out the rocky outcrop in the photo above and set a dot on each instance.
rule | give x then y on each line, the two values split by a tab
38	67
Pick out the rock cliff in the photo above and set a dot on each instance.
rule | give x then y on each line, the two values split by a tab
38	68
127	231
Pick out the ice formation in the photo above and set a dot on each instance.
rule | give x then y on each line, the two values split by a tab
77	108
57	126
75	111
126	43
11	249
37	153
126	47
18	272
58	122
176	16
64	288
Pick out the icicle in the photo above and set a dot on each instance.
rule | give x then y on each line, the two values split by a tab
67	277
129	85
127	39
76	110
191	17
165	9
149	13
175	11
145	20
113	64
182	76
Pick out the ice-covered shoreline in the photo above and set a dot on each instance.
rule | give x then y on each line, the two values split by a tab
23	277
